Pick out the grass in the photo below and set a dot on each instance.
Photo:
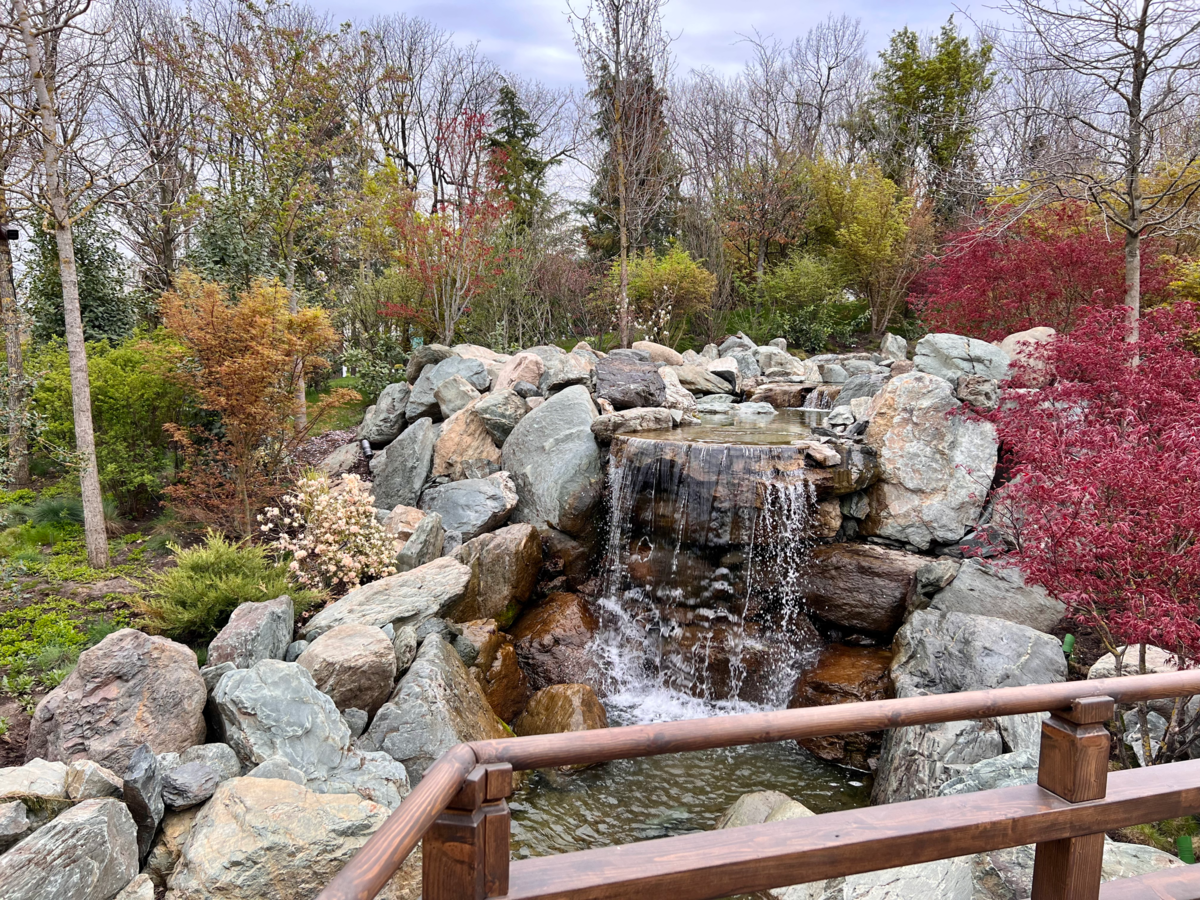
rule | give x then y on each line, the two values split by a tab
342	417
1161	835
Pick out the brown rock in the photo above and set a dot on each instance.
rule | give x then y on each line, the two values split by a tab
903	367
829	518
522	367
463	439
552	640
496	670
505	563
561	551
861	586
659	353
560	708
128	690
354	664
783	396
845	675
403	521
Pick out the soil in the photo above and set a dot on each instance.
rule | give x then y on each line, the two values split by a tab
12	744
1088	648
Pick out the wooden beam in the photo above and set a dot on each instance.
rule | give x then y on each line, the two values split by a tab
1182	883
760	857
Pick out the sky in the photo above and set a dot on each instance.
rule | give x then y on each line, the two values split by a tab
533	37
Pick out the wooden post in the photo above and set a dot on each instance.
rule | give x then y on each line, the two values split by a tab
1074	765
465	851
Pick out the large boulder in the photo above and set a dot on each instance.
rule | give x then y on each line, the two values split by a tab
422	357
527	367
473	506
893	347
628	383
565	370
464	442
341	460
945	879
629	421
385	420
552	641
861	586
948	652
496	669
128	690
31	795
401	478
935	466
261	837
88	853
760	808
505	564
408	598
275	709
436	705
454	394
699	381
255	631
559	708
500	411
423	399
949	356
354	664
555	463
989	590
659	353
844	674
1026	350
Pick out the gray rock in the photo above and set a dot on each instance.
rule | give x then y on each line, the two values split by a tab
1005	770
453	394
88	853
473	506
738	341
505	564
894	347
402	477
389	630
748	366
945	879
715	403
627	421
404	644
442	628
840	415
700	381
949	356
189	785
978	391
218	757
423	400
710	352
356	721
501	411
407	598
778	343
424	356
384	421
341	460
859	386
555	464
141	888
988	590
771	359
454	540
255	631
425	544
564	371
87	780
629	383
935	575
277	768
727	369
754	410
14	823
142	790
295	648
526	389
832	373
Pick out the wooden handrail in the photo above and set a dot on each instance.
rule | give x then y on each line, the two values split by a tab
382	855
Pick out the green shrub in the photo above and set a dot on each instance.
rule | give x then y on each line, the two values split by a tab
192	601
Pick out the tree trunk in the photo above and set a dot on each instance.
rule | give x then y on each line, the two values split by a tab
1133	282
95	535
301	413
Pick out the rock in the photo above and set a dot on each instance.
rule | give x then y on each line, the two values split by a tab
945	879
552	641
727	369
423	400
738	341
354	664
1132	860
935	575
404	645
978	392
255	631
527	391
173	834
500	411
1006	770
565	370
844	674
658	353
385	420
218	757
562	552
752	809
950	355
496	670
424	545
678	398
840	416
275	709
988	590
435	706
894	347
483	354
698	380
402	521
858	386
524	367
86	780
1010	871
260	838
780	396
407	598
627	421
902	367
402	477
861	586
454	394
505	565
189	785
629	383
14	823
555	464
141	788
40	788
832	373
463	440
1026	351
88	853
935	466
376	463
947	652
560	708
773	359
747	364
424	356
141	888
356	721
1157	661
473	506
278	768
128	690
295	648
341	460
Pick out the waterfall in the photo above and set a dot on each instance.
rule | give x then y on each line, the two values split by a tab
702	601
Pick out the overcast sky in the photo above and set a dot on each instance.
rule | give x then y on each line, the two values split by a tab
533	37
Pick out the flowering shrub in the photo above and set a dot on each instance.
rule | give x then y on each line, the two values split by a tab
333	537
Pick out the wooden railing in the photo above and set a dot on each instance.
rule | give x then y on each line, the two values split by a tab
459	808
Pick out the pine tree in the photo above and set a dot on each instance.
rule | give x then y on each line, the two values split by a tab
520	171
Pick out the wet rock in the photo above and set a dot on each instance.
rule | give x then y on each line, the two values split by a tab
402	521
463	441
552	641
949	356
341	460
629	383
128	690
424	356
555	463
935	466
978	392
436	705
189	785
782	396
86	780
524	367
988	590
700	381
560	708
496	669
473	506
861	586
563	553
894	347
141	789
404	599
261	838
845	674
752	809
88	853
505	565
658	353
627	421
500	411
402	477
255	631
385	420
354	665
424	545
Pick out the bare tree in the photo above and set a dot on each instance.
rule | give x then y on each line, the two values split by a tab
1115	79
626	56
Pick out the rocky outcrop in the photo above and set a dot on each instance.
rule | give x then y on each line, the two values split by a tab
552	641
255	631
950	356
401	478
505	566
473	506
128	690
384	421
354	665
464	442
844	674
989	590
861	586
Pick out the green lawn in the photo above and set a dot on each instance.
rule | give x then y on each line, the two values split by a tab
340	417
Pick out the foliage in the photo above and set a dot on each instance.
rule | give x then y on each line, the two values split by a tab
1049	268
334	539
232	246
193	600
107	313
664	290
764	205
519	170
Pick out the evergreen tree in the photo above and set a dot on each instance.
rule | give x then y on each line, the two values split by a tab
520	171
